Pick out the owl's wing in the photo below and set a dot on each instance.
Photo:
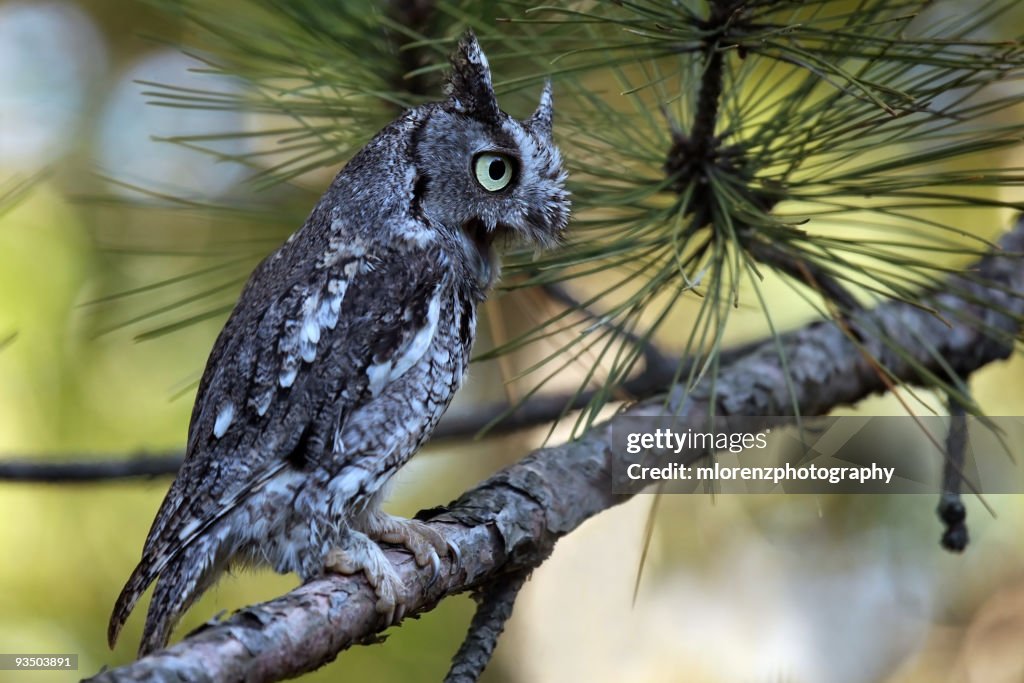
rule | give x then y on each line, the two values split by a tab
291	361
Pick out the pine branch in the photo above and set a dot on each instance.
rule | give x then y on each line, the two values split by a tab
510	522
951	509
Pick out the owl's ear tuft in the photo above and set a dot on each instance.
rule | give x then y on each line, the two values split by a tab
469	85
540	121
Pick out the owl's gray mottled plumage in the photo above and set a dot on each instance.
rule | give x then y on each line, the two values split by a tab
344	350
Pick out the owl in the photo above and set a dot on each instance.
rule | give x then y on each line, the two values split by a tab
344	350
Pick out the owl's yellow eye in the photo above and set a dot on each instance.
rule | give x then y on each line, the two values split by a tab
493	171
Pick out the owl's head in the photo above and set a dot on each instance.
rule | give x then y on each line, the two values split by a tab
484	173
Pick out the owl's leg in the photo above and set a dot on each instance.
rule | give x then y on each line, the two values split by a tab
425	544
358	553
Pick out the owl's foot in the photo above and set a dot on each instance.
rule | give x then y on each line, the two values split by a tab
425	544
361	554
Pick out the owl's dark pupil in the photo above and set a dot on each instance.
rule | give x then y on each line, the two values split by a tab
496	169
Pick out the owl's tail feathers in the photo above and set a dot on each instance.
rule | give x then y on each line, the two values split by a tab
181	583
176	589
143	575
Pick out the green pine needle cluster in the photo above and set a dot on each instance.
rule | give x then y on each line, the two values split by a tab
854	151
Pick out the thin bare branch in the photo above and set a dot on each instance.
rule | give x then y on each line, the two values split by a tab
82	468
495	601
951	508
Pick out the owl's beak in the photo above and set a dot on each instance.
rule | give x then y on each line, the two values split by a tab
482	238
478	232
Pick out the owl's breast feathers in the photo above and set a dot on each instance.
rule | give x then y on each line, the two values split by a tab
350	360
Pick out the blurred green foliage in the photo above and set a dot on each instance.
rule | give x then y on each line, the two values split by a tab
112	291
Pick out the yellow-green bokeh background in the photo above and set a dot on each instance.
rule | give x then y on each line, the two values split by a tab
737	589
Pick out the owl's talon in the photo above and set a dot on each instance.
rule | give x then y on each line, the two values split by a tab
436	561
363	555
425	544
456	555
390	610
397	613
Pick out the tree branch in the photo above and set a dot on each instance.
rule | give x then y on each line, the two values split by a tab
495	601
81	469
510	522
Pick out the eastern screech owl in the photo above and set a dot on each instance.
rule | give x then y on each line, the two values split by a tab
344	350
